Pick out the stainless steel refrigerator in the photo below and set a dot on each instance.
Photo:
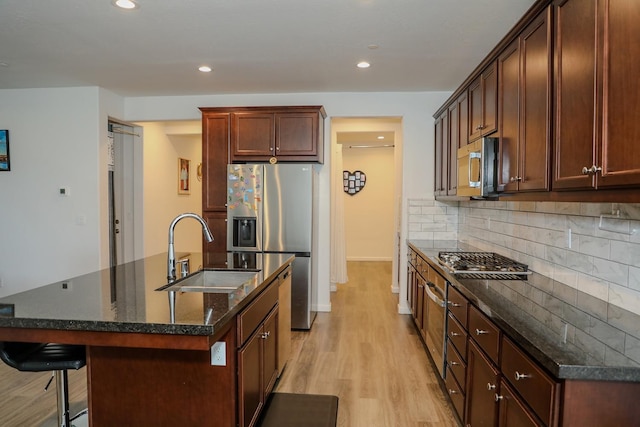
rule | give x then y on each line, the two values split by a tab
271	209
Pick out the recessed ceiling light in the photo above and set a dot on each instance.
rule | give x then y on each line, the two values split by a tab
363	64
125	4
373	46
205	69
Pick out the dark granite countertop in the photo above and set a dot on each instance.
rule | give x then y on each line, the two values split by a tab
125	299
570	333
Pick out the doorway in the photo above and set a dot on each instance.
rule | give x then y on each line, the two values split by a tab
369	153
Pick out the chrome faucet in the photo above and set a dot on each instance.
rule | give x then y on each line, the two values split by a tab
171	257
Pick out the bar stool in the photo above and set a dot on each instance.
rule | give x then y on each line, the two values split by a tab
38	357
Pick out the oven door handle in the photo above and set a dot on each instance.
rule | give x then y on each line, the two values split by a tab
433	296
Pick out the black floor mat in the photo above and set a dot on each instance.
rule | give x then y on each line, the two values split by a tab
300	410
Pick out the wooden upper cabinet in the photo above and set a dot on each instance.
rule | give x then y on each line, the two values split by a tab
215	157
483	93
524	115
287	134
597	94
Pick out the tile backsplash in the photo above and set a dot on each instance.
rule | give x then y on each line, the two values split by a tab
591	247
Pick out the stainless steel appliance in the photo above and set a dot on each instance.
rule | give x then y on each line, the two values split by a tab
270	209
477	168
483	265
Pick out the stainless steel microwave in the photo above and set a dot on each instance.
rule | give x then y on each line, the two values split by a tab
477	168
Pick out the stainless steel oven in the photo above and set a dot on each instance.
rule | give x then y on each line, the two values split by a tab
435	297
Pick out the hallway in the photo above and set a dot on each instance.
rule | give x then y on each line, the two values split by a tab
369	356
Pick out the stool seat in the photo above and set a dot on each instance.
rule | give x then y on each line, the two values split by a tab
38	357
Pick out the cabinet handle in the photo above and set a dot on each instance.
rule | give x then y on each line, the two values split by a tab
497	397
481	332
453	363
452	391
491	386
270	148
454	304
454	334
265	335
520	376
277	148
592	170
515	179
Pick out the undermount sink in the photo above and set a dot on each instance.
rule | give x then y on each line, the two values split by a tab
213	281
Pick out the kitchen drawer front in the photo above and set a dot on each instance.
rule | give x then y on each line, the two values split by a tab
455	394
458	305
485	333
457	336
256	312
536	387
456	366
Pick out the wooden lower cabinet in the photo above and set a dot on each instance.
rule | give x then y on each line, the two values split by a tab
512	412
284	319
482	386
257	369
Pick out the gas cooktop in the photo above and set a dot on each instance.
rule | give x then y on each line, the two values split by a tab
483	265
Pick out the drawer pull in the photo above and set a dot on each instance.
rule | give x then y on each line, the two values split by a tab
491	386
497	397
481	332
520	376
453	304
452	391
265	335
453	363
454	334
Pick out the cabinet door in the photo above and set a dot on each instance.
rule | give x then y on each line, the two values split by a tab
270	352
509	117
250	384
619	58
482	383
217	222
215	157
296	135
450	154
284	319
575	86
512	412
535	117
418	315
252	136
411	287
475	109
489	99
463	119
483	103
439	177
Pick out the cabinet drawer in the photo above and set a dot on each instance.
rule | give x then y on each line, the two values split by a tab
255	313
457	336
536	387
485	333
455	394
456	365
458	305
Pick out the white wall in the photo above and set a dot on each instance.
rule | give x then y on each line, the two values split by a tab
369	214
54	143
161	199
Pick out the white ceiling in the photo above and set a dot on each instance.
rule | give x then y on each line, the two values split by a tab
253	46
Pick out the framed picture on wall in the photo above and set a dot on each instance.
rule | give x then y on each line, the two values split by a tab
184	176
5	164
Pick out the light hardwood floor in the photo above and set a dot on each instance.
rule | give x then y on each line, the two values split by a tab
369	356
363	352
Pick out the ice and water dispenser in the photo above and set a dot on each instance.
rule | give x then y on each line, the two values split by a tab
244	232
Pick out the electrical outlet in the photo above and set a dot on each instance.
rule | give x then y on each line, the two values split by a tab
219	354
66	286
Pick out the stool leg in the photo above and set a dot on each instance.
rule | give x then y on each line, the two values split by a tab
62	395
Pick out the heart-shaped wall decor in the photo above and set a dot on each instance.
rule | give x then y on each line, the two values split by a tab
353	182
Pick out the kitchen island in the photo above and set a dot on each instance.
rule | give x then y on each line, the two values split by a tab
145	368
536	351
